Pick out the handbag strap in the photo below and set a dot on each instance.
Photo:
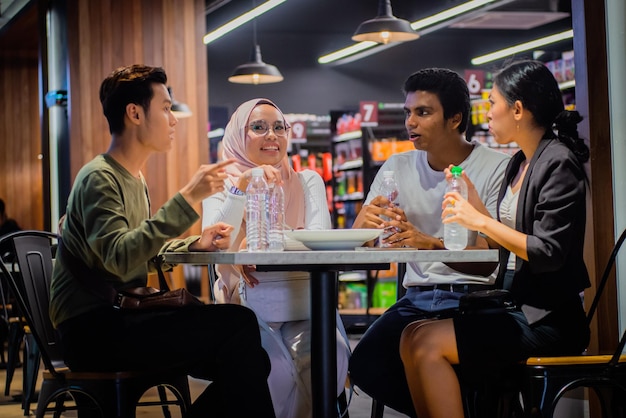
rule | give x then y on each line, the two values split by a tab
503	255
99	287
158	262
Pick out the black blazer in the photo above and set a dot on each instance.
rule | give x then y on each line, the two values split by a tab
552	212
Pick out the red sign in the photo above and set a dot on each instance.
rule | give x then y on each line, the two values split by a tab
298	132
475	80
369	113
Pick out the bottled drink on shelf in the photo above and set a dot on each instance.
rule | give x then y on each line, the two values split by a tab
388	189
454	235
256	212
276	211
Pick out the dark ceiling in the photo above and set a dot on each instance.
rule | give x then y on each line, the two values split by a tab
294	34
297	32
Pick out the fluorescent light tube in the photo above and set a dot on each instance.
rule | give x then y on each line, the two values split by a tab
216	133
417	25
352	49
449	14
244	18
568	34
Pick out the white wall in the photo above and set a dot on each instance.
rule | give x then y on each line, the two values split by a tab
616	44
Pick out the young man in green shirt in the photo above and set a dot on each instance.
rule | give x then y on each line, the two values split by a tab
109	225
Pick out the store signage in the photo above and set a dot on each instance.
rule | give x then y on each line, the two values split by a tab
475	80
298	132
369	113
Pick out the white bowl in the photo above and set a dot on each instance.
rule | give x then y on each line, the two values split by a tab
333	239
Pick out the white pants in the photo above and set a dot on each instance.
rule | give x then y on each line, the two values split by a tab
288	345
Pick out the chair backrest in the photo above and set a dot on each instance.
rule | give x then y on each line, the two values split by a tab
600	288
31	286
605	276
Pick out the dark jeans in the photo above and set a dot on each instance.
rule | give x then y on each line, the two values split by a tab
375	365
220	343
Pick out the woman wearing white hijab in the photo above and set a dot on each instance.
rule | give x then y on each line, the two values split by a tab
257	135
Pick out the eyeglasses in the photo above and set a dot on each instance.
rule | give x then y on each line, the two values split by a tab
261	128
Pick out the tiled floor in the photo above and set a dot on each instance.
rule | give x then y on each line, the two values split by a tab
10	407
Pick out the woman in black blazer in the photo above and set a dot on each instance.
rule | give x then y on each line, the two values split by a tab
540	233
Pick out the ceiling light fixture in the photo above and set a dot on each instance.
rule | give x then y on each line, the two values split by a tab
244	18
385	28
255	71
216	133
526	46
424	26
180	110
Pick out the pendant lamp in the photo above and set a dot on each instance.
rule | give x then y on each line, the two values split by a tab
255	71
180	110
385	27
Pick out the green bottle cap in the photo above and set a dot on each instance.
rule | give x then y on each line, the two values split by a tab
456	171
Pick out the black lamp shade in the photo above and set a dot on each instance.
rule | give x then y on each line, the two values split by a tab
385	27
180	110
256	71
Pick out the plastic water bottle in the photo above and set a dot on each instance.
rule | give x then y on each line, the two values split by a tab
256	212
276	210
388	189
454	235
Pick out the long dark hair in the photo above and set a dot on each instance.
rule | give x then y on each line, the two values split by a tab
532	83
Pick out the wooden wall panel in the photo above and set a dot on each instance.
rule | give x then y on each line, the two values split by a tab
110	33
592	92
21	184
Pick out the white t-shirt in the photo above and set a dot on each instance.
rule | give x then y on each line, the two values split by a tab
508	216
421	191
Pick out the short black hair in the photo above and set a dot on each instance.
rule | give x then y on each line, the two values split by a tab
131	84
450	88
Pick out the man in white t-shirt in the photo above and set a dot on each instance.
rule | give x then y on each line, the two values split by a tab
437	108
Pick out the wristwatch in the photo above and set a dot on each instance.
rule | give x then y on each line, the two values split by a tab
234	190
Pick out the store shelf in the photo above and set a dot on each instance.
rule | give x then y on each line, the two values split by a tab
362	311
349	165
347	136
357	157
349	197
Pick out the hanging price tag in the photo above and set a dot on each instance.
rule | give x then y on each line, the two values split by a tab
369	113
298	132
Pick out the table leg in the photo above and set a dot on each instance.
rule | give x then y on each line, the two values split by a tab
324	344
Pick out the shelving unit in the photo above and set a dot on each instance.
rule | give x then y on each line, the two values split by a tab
310	147
563	70
359	149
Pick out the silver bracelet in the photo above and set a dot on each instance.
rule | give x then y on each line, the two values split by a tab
235	190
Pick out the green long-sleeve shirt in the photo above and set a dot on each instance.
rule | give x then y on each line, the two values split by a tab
108	226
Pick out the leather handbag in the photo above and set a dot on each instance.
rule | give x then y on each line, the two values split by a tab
482	302
134	298
150	298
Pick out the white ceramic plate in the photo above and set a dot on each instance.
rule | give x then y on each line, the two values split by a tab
333	239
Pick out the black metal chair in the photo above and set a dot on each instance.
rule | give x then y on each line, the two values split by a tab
103	394
12	330
547	379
